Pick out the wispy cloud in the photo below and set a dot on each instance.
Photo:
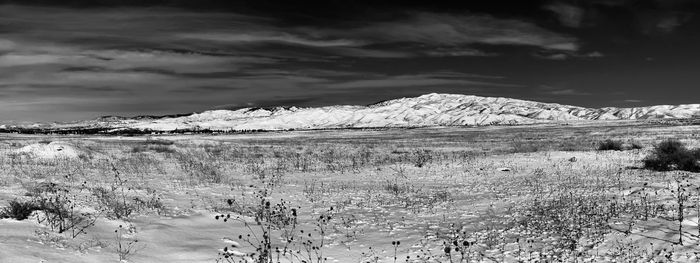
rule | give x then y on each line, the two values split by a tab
458	52
273	37
669	23
568	15
572	92
594	54
438	79
419	34
568	55
435	34
455	30
6	45
555	56
549	90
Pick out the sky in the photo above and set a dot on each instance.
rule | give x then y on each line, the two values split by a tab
81	59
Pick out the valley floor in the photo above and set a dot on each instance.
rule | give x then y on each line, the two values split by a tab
488	194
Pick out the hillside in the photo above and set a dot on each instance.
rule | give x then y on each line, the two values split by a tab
423	111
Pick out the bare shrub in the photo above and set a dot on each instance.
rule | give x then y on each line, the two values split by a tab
523	146
154	145
125	247
141	164
60	210
268	218
201	166
634	145
153	148
115	200
19	210
422	157
610	145
266	221
151	202
159	142
457	245
112	203
672	155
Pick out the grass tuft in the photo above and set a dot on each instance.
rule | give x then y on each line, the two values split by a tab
18	210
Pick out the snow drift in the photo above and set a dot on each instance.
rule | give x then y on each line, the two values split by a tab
52	150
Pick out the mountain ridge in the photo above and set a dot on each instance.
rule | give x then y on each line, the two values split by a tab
428	110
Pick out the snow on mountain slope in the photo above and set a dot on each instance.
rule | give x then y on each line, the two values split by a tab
427	110
423	111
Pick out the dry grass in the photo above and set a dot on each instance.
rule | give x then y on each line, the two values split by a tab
453	195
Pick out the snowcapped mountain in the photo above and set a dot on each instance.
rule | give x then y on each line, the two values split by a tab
427	110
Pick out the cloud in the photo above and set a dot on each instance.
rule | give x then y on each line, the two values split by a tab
649	17
9	60
339	53
88	61
455	30
128	71
419	34
424	80
562	92
610	2
568	92
252	38
568	15
594	54
6	45
458	52
669	23
557	55
461	75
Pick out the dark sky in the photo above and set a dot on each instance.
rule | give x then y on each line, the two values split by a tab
68	60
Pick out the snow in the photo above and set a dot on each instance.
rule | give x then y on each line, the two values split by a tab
428	110
483	188
52	150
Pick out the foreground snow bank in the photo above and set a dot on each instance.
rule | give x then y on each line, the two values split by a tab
52	150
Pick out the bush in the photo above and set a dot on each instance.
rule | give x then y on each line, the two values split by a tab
610	145
635	145
673	155
201	166
422	157
60	213
159	142
159	148
274	232
521	146
18	210
115	205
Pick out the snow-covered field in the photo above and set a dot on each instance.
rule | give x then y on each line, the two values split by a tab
488	194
